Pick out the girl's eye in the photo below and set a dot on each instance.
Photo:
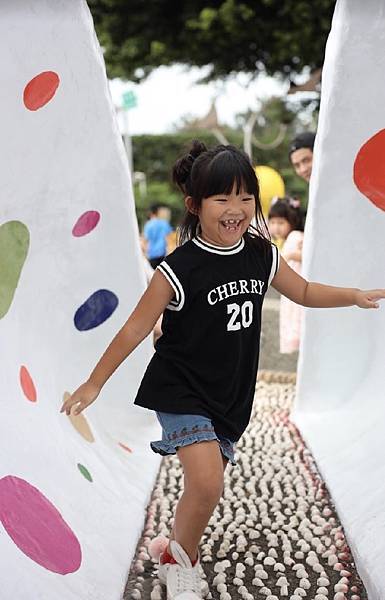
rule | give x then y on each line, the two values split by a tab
220	199
247	199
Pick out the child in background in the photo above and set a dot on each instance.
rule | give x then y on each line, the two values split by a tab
286	222
201	379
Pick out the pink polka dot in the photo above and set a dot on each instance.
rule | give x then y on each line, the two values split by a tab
86	223
40	90
37	528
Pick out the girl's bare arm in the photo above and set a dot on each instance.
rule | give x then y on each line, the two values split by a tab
140	323
317	295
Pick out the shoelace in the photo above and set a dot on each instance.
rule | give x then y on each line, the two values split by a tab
188	579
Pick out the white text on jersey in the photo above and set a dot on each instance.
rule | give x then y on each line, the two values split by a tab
234	288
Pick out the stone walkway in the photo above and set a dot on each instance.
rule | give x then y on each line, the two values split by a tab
275	533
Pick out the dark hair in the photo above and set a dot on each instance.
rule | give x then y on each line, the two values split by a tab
303	140
202	173
288	208
154	208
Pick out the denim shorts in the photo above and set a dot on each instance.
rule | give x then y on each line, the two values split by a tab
183	430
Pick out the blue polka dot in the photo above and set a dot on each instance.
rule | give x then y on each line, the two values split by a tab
95	310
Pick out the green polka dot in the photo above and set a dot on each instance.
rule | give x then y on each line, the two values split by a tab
14	244
85	472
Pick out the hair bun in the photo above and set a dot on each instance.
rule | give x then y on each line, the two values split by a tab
183	166
197	148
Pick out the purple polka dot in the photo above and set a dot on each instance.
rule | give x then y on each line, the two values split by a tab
86	223
37	528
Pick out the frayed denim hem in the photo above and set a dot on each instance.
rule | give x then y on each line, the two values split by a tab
166	448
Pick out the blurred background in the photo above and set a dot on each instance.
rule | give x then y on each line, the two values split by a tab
224	71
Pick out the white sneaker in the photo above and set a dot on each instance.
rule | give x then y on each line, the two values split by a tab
183	579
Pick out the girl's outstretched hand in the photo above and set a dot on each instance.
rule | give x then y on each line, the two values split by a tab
368	298
81	398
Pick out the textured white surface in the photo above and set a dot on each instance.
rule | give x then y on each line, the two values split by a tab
340	401
57	163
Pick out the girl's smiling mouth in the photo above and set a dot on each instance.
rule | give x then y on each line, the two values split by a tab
231	224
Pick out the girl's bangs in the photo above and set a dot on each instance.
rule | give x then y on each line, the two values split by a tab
221	174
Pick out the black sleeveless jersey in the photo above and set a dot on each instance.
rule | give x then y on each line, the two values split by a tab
206	361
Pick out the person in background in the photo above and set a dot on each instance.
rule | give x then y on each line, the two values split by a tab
301	154
155	233
286	222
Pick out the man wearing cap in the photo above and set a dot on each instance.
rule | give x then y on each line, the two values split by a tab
301	154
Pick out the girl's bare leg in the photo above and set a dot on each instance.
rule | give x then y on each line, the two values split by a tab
203	466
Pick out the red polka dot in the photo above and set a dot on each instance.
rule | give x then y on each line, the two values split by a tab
40	90
369	172
27	384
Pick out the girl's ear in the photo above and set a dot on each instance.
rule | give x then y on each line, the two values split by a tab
189	204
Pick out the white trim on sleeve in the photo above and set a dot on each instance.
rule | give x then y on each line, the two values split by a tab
176	303
274	264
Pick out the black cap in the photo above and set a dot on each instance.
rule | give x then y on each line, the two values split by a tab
303	140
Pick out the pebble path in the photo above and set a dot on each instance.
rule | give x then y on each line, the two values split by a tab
275	533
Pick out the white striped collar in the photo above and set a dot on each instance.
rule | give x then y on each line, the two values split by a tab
225	250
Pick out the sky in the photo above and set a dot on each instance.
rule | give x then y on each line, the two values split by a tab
171	93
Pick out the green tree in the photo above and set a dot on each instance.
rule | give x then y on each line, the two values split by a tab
229	36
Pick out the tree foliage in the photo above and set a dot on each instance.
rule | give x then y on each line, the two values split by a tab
229	36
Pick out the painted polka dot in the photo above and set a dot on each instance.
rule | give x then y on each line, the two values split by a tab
86	223
14	244
126	448
37	528
95	310
40	90
80	423
27	384
369	172
85	472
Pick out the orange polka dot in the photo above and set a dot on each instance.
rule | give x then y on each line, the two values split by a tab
27	384
126	448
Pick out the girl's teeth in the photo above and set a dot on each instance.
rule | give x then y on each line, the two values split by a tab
231	225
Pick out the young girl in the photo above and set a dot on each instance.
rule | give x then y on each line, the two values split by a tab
201	378
286	222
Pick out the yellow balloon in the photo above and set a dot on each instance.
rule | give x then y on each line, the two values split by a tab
270	184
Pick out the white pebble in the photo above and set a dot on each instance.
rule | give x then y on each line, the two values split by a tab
341	587
305	584
156	593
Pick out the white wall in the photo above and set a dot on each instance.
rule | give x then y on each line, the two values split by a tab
340	405
57	162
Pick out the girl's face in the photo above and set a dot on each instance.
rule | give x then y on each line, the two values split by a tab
224	218
279	227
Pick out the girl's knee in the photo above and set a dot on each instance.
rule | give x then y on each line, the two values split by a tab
208	488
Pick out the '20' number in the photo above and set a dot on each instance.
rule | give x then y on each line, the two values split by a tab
240	316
